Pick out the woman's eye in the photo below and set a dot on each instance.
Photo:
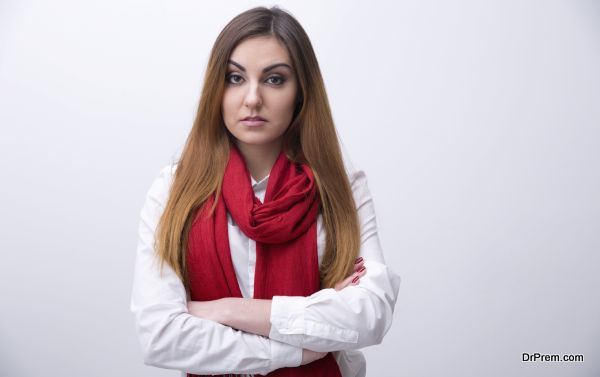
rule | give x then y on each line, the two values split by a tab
233	78
278	80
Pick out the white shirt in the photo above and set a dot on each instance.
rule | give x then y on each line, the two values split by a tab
340	322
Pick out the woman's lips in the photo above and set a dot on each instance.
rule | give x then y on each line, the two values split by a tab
253	122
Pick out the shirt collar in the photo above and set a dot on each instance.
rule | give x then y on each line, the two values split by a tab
260	184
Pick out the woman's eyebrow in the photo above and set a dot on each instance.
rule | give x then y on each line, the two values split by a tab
266	69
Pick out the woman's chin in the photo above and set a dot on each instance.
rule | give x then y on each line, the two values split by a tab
255	140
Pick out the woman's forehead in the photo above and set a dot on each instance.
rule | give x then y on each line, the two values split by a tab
259	52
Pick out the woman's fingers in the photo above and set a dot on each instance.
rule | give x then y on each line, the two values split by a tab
344	283
354	279
358	264
359	273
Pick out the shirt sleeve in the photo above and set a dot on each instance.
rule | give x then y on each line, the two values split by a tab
355	317
172	338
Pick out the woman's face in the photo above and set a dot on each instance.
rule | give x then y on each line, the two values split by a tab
260	82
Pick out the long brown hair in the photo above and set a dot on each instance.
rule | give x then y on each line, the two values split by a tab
311	138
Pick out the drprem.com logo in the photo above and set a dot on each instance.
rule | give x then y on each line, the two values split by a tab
551	358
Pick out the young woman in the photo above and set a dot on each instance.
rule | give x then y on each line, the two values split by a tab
258	250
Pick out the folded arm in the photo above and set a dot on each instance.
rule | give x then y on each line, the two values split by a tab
254	315
328	320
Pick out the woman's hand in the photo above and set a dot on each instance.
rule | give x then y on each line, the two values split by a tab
354	278
309	356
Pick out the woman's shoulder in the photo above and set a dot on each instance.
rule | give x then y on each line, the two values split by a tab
357	179
161	184
167	172
355	174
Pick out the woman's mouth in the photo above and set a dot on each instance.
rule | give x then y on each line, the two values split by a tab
253	121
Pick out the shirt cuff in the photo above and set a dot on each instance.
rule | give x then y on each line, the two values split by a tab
287	319
284	356
298	320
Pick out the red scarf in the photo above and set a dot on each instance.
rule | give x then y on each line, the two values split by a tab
285	230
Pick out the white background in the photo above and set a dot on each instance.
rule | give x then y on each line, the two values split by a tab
477	123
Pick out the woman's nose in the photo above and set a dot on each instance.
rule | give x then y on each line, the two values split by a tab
253	96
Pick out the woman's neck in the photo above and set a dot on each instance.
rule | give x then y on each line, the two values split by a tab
260	158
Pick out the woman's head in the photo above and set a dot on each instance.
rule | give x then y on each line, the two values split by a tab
298	116
279	34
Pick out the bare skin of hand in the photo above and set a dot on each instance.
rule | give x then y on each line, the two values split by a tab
309	356
359	271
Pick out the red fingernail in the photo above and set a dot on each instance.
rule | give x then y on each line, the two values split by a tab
362	269
358	260
355	279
